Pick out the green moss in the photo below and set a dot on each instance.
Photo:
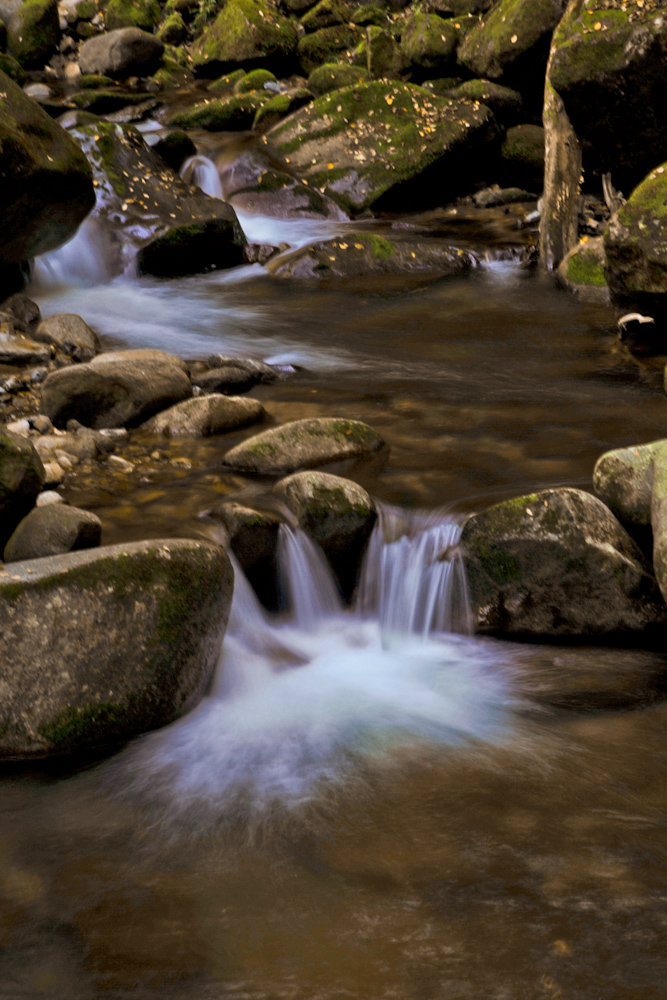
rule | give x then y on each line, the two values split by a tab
85	10
144	14
34	36
333	76
324	45
173	30
262	448
254	80
12	68
76	726
246	31
428	40
93	81
225	84
584	268
224	114
648	201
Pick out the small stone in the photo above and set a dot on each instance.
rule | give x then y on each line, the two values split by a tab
120	463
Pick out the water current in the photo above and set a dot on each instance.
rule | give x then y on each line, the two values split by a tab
372	803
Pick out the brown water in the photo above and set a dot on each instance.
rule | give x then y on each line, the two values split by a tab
527	867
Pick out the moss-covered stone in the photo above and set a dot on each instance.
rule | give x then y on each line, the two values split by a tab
279	106
224	114
172	74
226	83
623	480
192	248
34	33
333	76
11	68
326	14
254	80
428	43
385	144
173	29
380	53
507	34
106	100
505	103
522	155
246	33
144	14
328	45
583	270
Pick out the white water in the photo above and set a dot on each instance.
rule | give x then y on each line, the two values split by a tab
301	704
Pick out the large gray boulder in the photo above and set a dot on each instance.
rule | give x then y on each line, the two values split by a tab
50	530
121	53
99	646
303	444
386	144
21	479
205	415
46	184
557	563
118	389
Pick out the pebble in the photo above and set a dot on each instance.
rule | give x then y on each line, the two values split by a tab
121	464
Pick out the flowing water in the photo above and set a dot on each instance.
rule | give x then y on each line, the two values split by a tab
371	803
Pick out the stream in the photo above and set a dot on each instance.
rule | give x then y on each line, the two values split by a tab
371	803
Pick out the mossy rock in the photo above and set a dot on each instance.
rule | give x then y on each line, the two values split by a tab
102	673
279	106
21	479
582	271
3	35
12	68
51	530
428	42
380	51
192	248
247	33
94	81
226	83
608	66
106	100
368	13
507	34
333	76
173	30
223	115
254	80
326	14
143	14
522	156
557	563
636	247
328	45
386	144
46	188
505	103
172	74
34	33
623	480
303	444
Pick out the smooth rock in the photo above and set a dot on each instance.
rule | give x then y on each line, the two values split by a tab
70	334
557	563
206	415
22	476
303	444
623	480
51	529
101	645
121	53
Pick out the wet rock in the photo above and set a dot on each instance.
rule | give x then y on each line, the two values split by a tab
246	33
493	196
175	148
636	247
122	53
24	312
557	563
260	371
52	529
303	444
385	144
362	254
659	514
21	479
229	379
337	514
562	171
16	349
70	334
118	389
34	33
253	538
205	415
135	650
192	248
623	480
46	187
79	445
583	270
607	65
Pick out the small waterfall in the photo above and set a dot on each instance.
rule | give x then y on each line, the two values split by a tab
412	579
306	579
202	173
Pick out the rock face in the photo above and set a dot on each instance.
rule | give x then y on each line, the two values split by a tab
636	247
121	53
607	65
98	646
303	444
556	563
118	389
205	415
51	530
385	144
246	33
70	334
45	181
21	478
336	513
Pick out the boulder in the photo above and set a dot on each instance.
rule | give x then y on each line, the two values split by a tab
46	184
101	645
428	44
636	247
326	14
21	479
607	64
334	76
253	538
247	33
303	444
582	271
328	45
141	201
229	379
144	14
227	114
279	106
52	529
559	217
386	145
121	53
336	513
380	53
505	103
118	389
34	33
205	415
362	254
70	334
623	480
557	563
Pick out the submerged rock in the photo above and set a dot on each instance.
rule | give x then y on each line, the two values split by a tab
303	444
386	144
101	645
206	415
53	529
21	479
117	389
557	563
